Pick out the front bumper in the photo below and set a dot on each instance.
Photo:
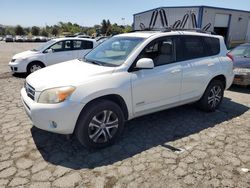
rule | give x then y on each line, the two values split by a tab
58	118
17	67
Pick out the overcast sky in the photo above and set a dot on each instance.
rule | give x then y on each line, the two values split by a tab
91	12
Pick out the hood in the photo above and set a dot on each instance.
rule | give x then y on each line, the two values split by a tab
70	73
24	54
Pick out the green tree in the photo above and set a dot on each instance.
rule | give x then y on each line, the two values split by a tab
104	27
44	32
35	30
19	30
55	30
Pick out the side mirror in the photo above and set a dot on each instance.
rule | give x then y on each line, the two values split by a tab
49	51
145	63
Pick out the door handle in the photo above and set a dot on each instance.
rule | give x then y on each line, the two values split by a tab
175	71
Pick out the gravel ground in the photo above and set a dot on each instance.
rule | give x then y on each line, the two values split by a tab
180	147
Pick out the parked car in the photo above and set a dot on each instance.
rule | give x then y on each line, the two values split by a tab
82	36
52	52
19	39
127	76
9	38
241	59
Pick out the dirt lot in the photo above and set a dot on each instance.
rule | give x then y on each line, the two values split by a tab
181	147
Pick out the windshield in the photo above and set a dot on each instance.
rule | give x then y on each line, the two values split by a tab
114	51
44	45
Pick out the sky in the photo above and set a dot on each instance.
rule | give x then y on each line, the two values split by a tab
91	12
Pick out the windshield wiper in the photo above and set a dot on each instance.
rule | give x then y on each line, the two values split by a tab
94	62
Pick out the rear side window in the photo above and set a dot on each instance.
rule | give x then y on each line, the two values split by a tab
212	46
77	45
193	47
87	45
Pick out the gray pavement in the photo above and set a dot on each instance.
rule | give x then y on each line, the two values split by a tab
180	147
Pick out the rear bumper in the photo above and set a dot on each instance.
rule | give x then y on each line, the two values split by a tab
58	118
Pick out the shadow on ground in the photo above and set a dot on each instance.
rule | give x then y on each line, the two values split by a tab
140	134
240	89
10	75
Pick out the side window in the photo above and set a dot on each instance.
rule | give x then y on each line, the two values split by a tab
212	45
161	52
193	47
67	45
87	45
77	45
57	47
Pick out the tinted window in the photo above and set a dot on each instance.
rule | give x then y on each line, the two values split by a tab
87	44
67	45
77	45
193	47
212	45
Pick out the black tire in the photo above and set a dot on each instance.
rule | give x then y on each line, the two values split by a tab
30	67
212	96
91	123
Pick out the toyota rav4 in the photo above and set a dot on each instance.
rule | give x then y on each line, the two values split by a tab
127	76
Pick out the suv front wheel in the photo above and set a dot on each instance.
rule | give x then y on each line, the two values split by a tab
212	96
99	124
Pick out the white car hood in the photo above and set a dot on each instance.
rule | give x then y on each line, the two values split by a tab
24	54
70	73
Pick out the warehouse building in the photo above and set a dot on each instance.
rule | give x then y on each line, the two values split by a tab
234	25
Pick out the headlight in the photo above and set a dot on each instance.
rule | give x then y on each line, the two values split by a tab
56	95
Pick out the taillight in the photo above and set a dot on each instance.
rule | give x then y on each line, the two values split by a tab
230	56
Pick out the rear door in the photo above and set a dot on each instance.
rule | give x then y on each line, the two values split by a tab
81	48
199	62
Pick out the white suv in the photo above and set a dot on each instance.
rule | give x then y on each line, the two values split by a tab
127	76
51	52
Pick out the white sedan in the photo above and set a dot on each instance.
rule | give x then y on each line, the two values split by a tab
52	52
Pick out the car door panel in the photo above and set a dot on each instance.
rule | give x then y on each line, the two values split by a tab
59	54
156	87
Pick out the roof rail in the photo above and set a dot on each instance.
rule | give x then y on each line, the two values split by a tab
169	29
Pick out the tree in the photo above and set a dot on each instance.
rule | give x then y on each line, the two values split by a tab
104	27
55	30
35	30
44	33
19	30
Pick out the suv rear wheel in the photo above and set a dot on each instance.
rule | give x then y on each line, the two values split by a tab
212	96
100	124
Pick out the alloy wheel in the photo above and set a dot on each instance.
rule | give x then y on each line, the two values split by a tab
214	96
103	126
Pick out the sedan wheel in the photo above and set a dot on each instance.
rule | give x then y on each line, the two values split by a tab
34	68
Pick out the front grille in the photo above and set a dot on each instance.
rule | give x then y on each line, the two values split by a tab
29	90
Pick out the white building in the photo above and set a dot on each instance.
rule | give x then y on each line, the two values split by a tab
234	25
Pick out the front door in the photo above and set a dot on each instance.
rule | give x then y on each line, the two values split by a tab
61	51
160	86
